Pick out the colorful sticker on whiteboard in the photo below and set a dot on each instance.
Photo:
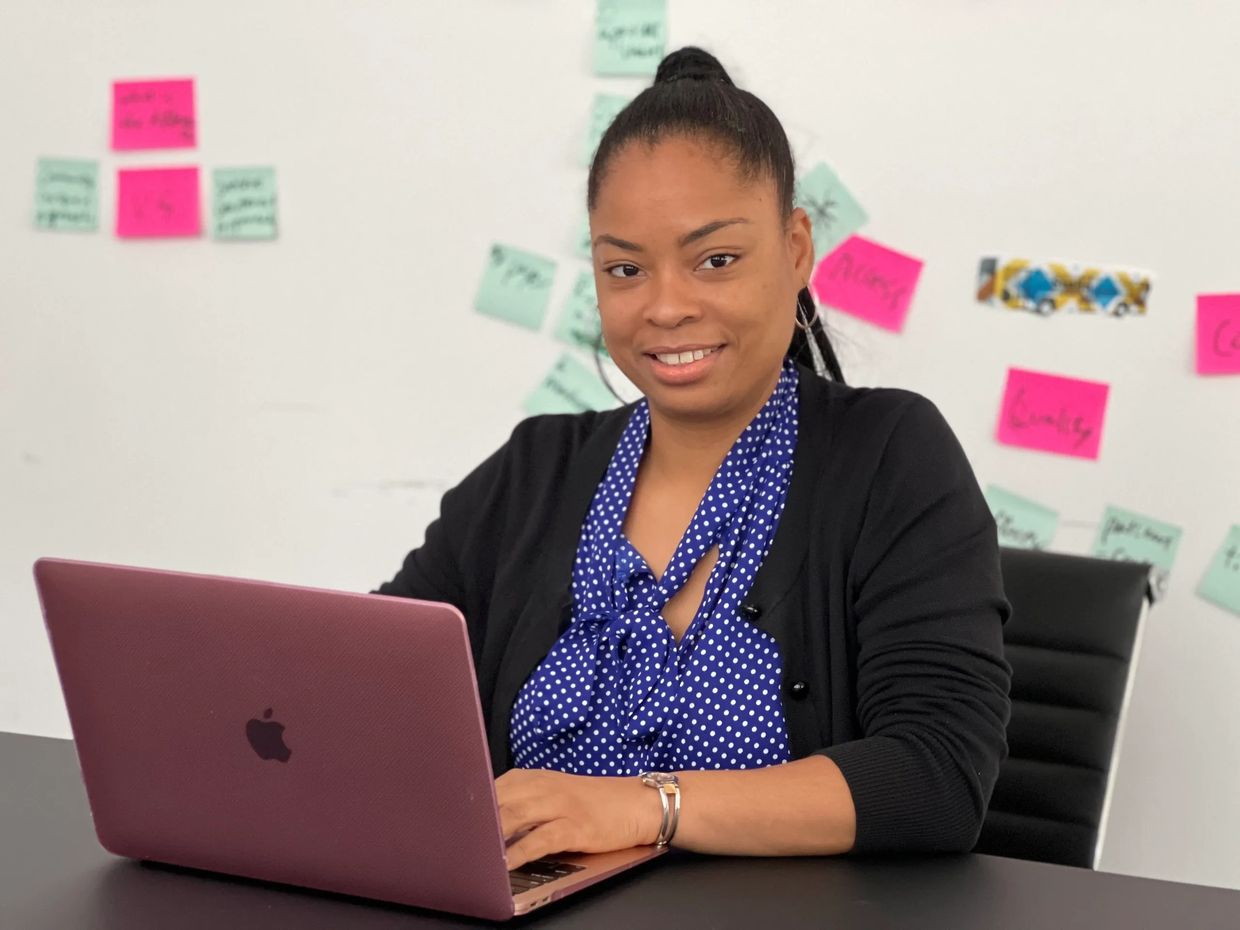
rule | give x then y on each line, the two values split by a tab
1048	287
1052	414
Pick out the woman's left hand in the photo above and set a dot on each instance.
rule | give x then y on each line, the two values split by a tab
574	813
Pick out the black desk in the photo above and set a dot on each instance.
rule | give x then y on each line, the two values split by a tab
54	875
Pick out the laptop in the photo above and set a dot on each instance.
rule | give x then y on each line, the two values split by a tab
325	739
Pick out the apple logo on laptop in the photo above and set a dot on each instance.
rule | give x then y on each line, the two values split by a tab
267	737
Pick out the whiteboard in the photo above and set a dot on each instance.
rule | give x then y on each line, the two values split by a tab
293	410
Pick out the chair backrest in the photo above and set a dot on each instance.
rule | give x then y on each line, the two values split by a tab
1072	641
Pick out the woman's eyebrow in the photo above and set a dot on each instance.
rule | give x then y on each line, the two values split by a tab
703	231
700	233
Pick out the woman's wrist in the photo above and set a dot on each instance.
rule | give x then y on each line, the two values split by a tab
648	812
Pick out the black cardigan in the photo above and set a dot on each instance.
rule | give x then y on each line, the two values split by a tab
882	588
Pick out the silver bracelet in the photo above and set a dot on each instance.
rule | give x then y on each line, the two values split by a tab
666	784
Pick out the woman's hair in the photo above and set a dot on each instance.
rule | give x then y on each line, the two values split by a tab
692	95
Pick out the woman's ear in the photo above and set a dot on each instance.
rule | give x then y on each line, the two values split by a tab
801	243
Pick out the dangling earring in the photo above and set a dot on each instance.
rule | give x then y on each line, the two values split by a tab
807	326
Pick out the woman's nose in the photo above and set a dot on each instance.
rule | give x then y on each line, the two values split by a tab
671	301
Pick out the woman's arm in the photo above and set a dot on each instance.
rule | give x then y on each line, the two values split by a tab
800	808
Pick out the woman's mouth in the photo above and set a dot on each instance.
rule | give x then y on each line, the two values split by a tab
682	366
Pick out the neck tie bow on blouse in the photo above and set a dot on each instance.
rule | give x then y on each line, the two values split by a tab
617	632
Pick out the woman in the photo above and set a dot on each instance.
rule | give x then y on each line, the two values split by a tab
783	590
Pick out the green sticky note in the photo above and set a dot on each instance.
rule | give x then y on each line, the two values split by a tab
630	36
582	245
570	387
244	203
605	109
1221	584
515	286
833	211
66	195
1022	523
579	325
1131	537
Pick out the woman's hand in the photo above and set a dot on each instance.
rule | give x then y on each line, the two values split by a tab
574	813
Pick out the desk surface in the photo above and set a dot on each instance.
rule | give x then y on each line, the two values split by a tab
54	874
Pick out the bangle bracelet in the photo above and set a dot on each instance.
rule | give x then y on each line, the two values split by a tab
666	784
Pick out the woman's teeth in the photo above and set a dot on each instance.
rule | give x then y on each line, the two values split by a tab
683	358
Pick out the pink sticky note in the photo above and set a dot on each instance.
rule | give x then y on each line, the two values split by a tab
1051	413
157	202
1218	334
869	281
153	115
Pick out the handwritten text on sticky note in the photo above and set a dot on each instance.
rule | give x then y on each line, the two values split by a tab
244	203
1022	523
604	111
833	212
66	195
570	387
1221	583
1053	414
869	281
153	115
579	325
157	202
1131	537
515	286
1218	334
630	36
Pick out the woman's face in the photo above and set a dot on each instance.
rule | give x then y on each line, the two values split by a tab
691	261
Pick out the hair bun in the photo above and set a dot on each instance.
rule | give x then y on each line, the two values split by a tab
691	62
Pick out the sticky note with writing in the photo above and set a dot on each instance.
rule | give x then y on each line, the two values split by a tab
1051	413
244	203
1221	583
630	36
157	202
582	245
1218	334
604	110
1022	523
66	195
570	387
833	212
580	326
515	286
869	281
153	115
1130	537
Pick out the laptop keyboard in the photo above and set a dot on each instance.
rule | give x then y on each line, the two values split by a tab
539	872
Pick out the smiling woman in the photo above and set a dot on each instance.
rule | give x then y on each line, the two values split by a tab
772	597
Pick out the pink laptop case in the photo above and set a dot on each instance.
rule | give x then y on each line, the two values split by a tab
177	686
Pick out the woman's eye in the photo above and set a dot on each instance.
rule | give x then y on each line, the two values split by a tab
722	260
626	271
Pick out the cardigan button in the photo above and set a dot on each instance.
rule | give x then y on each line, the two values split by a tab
798	690
751	612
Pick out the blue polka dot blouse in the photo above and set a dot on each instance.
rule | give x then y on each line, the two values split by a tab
616	694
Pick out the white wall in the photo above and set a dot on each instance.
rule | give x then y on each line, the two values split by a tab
291	411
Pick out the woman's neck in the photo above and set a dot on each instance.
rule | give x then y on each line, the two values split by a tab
690	450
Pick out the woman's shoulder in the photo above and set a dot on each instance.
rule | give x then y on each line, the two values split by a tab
867	415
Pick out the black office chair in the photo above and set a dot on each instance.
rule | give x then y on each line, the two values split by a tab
1073	641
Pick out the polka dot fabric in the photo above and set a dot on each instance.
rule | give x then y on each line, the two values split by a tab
616	694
